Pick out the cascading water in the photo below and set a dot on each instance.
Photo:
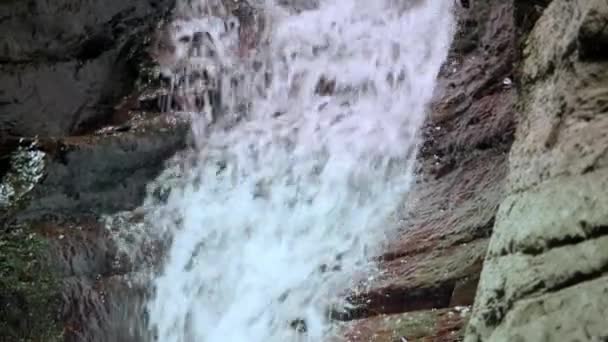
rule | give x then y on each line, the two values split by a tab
277	216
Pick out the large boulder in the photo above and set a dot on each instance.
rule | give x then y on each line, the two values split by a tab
544	277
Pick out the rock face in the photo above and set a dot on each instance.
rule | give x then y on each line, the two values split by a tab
61	264
431	271
544	277
65	63
63	68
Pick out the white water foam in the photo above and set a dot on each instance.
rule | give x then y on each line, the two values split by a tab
277	217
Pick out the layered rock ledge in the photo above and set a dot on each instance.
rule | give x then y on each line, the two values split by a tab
544	276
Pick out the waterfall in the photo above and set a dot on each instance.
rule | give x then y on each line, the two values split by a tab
271	219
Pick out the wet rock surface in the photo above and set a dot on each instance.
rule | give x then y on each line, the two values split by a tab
72	155
75	217
69	197
430	272
544	278
431	325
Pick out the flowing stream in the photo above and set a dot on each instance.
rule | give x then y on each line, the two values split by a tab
272	219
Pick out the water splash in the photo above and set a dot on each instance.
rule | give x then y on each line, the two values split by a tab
275	217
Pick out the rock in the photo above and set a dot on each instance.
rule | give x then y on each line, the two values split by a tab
544	275
61	77
105	309
64	223
432	267
542	318
421	281
105	172
435	325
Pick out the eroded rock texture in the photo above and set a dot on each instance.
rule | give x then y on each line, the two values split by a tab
431	272
544	277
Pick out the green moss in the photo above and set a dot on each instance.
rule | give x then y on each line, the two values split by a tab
29	291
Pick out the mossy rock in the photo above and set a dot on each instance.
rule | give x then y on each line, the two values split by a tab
29	291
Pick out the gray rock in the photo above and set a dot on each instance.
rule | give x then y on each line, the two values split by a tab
544	274
66	63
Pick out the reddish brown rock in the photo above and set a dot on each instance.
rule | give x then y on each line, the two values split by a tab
443	325
436	260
